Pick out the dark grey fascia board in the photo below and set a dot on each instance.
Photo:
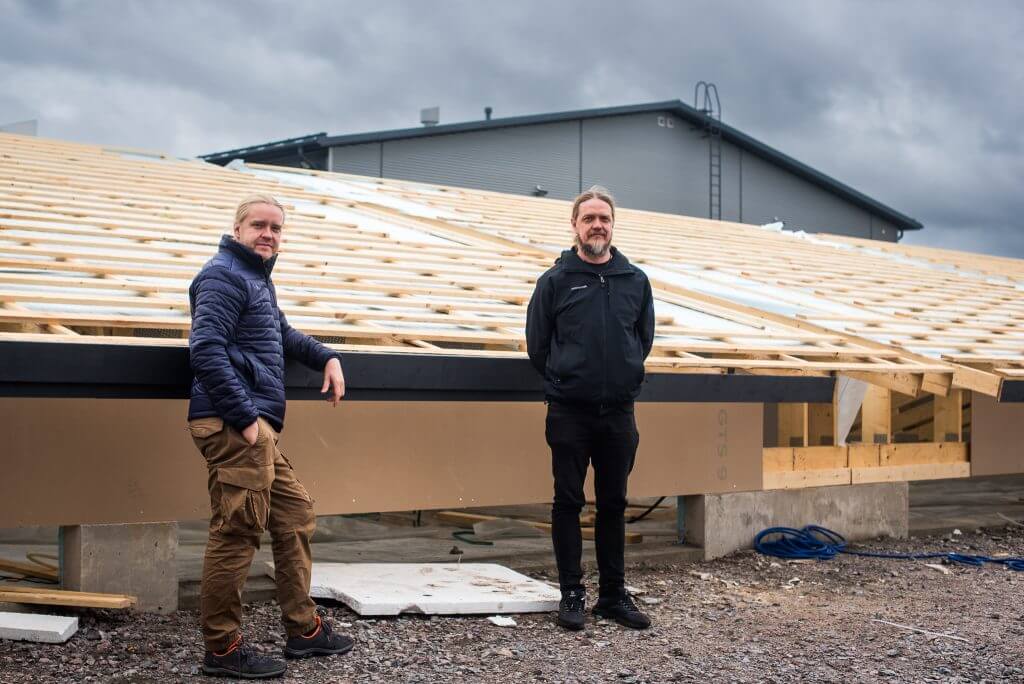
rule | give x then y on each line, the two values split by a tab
507	122
275	147
85	369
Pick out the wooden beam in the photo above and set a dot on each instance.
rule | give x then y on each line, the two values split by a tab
977	380
792	425
876	416
925	453
820	457
799	479
777	458
904	383
947	425
821	427
909	473
864	455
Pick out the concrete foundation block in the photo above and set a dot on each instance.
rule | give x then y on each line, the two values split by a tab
137	559
723	523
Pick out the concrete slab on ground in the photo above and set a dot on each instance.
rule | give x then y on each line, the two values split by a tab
373	589
938	506
46	629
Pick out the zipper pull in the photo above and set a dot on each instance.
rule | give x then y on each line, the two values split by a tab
602	279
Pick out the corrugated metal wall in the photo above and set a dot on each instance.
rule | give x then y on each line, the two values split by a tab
362	160
649	161
514	160
770	192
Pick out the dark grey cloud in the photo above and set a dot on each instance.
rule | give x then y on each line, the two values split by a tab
914	103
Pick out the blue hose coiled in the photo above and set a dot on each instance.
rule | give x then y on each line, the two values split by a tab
816	542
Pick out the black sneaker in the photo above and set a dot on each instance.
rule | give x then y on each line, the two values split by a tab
570	609
323	641
242	662
623	611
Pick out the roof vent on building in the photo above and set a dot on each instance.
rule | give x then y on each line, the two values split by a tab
487	113
430	116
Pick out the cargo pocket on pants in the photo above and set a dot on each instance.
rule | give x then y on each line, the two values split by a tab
244	498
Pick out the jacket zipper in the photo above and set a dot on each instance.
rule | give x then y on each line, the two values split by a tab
604	334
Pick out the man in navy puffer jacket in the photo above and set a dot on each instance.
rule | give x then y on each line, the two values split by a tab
238	345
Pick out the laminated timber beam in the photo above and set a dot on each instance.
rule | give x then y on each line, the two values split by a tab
796	467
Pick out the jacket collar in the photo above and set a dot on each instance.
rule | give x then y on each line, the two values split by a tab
229	244
618	264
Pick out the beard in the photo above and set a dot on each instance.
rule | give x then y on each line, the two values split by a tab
591	250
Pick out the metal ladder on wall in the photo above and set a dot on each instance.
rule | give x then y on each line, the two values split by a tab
705	101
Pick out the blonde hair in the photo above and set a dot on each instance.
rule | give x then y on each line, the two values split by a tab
593	192
245	205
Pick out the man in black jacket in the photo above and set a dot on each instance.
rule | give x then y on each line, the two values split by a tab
589	327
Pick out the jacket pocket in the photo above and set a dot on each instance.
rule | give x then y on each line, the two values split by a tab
243	365
243	505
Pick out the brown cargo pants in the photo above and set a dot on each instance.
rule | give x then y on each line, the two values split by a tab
253	488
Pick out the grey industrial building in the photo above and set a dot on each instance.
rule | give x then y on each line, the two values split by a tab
663	156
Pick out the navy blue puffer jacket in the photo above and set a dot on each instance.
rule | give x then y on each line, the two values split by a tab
240	339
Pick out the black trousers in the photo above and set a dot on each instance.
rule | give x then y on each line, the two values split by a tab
607	438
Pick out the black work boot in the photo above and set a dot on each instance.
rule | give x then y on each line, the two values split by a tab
322	641
241	662
623	611
570	609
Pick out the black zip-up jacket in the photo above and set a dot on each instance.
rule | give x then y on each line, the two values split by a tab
589	328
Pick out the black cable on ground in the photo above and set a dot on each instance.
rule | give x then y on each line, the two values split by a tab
638	518
461	535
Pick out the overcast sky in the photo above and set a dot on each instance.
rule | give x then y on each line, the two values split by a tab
917	104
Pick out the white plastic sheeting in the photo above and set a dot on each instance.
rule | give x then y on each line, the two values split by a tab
359	192
850	395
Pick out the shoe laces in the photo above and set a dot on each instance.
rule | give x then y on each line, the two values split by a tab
627	602
573	601
250	655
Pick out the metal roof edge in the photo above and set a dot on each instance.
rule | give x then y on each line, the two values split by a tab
265	147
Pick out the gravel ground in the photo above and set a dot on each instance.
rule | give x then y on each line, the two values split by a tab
745	618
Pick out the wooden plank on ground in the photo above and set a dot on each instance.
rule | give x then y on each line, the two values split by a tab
60	597
468	519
